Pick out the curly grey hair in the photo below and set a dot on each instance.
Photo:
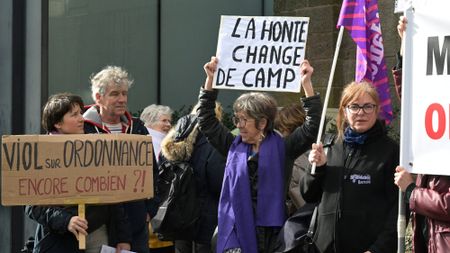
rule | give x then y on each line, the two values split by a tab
109	76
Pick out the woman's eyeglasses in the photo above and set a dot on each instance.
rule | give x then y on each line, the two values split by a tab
239	121
367	108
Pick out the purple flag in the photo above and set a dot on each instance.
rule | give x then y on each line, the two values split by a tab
361	19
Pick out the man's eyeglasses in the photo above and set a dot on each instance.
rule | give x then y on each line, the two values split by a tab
239	121
367	108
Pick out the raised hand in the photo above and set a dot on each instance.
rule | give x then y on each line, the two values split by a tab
401	27
306	71
210	67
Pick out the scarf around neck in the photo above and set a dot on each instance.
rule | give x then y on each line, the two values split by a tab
353	138
237	222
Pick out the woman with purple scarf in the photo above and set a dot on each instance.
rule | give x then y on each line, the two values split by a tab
259	163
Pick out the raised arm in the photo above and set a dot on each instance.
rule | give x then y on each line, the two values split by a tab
302	137
217	134
307	70
397	70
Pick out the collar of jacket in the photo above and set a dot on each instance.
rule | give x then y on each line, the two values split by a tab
91	115
174	148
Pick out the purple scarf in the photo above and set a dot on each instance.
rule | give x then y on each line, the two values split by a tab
237	224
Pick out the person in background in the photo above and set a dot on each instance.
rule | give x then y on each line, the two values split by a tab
428	198
287	120
185	142
109	115
158	120
59	226
353	181
259	163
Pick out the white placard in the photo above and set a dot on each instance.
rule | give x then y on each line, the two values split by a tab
425	130
401	5
260	53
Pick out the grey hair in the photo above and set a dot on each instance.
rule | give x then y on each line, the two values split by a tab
109	76
150	115
257	105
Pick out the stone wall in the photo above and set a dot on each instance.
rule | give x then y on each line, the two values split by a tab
322	38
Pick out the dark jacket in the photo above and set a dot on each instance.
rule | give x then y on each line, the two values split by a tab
358	198
52	234
136	211
296	143
186	143
296	200
429	202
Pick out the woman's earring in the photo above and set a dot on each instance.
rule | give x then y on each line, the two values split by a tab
261	136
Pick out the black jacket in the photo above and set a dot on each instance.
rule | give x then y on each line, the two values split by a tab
298	142
52	234
357	194
186	143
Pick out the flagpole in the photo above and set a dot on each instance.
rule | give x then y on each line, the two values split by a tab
401	218
327	95
401	224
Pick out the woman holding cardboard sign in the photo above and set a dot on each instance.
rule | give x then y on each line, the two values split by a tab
259	163
59	227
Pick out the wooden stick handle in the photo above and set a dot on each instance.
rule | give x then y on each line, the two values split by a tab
81	237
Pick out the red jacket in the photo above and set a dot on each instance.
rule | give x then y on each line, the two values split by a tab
430	201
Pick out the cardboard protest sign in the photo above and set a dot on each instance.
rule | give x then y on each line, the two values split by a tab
260	53
425	129
72	169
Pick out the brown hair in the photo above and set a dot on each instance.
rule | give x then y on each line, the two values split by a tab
289	118
56	107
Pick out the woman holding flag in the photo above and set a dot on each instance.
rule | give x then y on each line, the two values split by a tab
353	180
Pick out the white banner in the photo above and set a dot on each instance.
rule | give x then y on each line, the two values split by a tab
425	130
401	5
260	53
